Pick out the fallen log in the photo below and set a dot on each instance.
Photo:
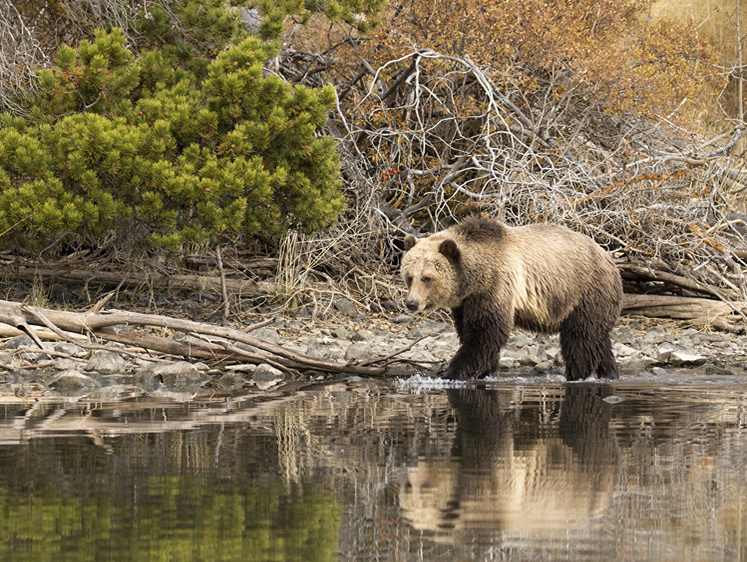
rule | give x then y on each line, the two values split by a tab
114	326
701	311
628	269
161	282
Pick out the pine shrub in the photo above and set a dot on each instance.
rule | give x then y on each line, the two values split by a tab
164	152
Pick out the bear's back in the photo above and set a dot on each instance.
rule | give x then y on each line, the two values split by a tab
561	268
546	269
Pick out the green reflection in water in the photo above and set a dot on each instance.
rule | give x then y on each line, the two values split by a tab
177	518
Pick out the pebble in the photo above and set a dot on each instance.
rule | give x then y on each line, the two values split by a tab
178	375
683	358
266	334
361	335
415	333
360	351
73	383
18	341
341	333
266	376
107	362
345	307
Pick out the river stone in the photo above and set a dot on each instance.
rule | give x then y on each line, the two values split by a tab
713	370
415	333
346	307
432	328
73	383
360	351
448	339
622	350
529	360
23	340
177	374
266	334
69	348
106	362
664	352
323	349
63	364
266	376
231	381
314	347
361	335
39	355
340	332
709	338
656	335
520	339
544	367
622	335
509	358
685	358
390	305
638	362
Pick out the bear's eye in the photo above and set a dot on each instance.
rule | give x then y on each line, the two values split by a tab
408	280
426	280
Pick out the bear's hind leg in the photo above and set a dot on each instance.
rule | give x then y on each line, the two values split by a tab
578	358
606	366
586	348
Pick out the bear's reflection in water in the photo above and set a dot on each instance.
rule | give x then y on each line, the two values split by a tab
537	469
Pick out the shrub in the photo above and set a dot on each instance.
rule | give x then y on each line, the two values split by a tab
153	150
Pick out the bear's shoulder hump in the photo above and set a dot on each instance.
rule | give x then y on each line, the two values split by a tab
481	229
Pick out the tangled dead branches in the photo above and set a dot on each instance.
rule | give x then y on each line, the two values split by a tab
432	138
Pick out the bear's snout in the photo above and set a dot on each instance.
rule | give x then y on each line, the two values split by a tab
412	305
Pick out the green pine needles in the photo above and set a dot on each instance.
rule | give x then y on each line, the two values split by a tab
165	152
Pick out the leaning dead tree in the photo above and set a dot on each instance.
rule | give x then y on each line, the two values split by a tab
429	138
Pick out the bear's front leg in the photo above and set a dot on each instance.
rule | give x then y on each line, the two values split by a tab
482	334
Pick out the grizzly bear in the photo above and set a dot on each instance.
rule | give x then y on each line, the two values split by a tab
542	277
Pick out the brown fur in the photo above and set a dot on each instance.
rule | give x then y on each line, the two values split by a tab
541	277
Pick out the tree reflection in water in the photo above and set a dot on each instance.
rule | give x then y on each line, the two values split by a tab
359	469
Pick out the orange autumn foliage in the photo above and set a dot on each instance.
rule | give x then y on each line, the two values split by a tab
602	51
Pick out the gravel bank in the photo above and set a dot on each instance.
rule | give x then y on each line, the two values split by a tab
73	371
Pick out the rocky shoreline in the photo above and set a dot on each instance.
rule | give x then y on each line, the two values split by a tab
424	344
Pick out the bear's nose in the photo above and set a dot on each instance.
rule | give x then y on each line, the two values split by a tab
412	305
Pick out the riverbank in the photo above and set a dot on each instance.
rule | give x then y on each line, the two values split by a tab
419	347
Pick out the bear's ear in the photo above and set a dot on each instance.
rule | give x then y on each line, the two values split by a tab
410	241
449	249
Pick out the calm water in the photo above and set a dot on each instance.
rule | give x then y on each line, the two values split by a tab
517	469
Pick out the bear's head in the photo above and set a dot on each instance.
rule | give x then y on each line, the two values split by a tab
430	271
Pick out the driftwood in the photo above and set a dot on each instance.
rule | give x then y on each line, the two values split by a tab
640	273
699	311
219	342
721	311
